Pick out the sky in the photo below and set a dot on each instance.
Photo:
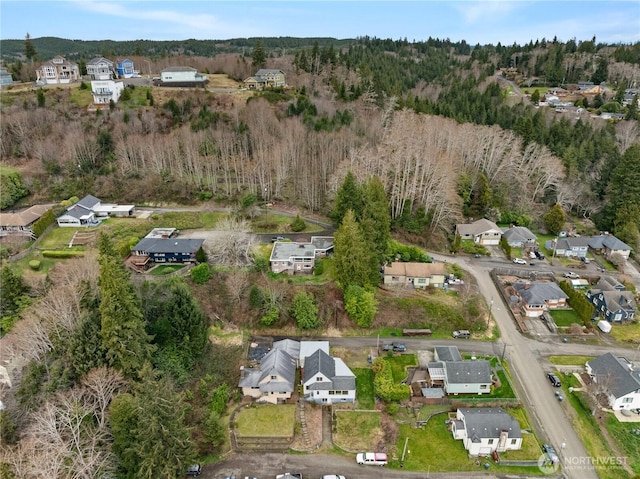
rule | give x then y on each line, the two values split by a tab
475	21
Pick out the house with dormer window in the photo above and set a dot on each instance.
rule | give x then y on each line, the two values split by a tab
485	430
612	301
327	380
57	71
265	78
100	68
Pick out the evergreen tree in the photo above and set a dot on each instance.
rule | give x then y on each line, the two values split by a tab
376	219
124	339
361	305
258	56
29	49
554	220
305	311
355	263
348	197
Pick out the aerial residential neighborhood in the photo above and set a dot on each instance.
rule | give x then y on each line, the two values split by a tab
319	257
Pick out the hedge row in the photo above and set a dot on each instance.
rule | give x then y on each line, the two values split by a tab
62	254
579	303
42	223
383	385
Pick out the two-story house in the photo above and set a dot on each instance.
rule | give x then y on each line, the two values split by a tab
459	376
327	380
568	247
485	430
125	68
166	250
273	381
612	301
56	71
106	91
617	379
266	78
299	258
608	245
539	296
416	275
482	232
100	68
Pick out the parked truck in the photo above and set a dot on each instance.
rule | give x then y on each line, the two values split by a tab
604	326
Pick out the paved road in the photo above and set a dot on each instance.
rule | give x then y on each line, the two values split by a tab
313	466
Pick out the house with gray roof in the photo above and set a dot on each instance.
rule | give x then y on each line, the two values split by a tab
485	430
612	301
520	237
607	244
483	231
100	68
166	250
299	258
539	296
457	375
273	381
569	247
618	379
327	380
266	78
181	76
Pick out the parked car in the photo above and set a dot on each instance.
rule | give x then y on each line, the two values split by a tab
539	255
477	255
551	453
519	261
461	334
571	275
333	476
555	380
289	475
395	347
193	470
585	260
372	458
278	238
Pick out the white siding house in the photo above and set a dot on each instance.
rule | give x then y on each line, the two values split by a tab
327	380
484	430
105	91
617	379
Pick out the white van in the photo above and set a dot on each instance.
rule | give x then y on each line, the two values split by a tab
372	458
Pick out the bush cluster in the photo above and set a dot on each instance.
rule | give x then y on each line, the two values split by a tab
383	385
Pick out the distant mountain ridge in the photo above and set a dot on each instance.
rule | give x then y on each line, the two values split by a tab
48	47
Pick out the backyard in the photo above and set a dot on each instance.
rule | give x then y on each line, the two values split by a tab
564	318
357	430
266	420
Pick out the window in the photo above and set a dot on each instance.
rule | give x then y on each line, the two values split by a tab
627	400
319	379
513	442
274	377
490	441
484	386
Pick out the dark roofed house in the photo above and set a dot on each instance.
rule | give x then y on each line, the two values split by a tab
617	378
447	353
467	377
539	296
612	301
568	247
327	380
520	237
266	78
485	430
166	250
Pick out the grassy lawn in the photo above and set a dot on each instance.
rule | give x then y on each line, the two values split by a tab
59	237
273	223
505	390
364	388
165	269
266	420
589	431
399	365
565	317
433	448
569	360
431	410
80	97
626	333
357	430
627	442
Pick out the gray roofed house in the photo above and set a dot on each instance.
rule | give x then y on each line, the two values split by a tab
482	231
612	301
468	377
291	346
607	244
266	78
89	202
323	245
519	237
181	76
540	296
568	247
292	258
100	68
617	379
273	381
485	430
447	353
166	250
307	348
327	380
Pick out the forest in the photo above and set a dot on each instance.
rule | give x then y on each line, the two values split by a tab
384	137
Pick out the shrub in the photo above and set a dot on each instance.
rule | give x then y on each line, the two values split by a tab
256	298
298	224
361	305
201	274
34	264
261	264
318	268
305	311
383	385
271	316
61	254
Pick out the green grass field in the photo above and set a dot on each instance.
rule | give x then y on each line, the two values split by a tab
274	223
364	388
357	430
399	365
569	360
266	420
163	269
565	317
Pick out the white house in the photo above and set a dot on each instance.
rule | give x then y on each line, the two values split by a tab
608	245
273	381
485	430
483	232
617	379
100	68
182	76
105	91
327	380
87	211
459	376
